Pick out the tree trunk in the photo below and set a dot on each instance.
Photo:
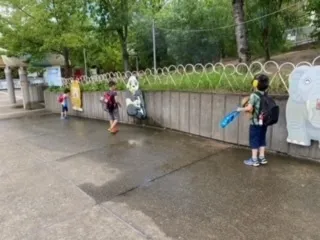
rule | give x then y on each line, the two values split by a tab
266	29
241	31
123	35
125	57
68	70
265	39
222	49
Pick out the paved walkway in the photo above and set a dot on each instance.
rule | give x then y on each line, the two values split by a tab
72	180
8	110
4	98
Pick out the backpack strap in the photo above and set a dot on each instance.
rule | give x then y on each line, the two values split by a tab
260	107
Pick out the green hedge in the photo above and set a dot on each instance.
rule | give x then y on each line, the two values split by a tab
190	82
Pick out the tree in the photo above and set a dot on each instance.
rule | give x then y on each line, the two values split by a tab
268	32
199	31
119	15
115	16
185	27
313	8
241	31
37	28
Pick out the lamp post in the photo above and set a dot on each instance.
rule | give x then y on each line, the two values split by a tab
85	62
154	47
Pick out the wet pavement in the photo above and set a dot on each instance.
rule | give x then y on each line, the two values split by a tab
72	180
9	110
4	97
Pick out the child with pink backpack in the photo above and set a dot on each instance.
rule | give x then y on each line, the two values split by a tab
111	105
63	99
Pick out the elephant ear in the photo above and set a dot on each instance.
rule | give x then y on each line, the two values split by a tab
295	77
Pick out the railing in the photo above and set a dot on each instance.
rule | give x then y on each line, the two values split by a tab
16	82
217	76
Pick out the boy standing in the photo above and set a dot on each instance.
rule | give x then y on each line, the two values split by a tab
64	98
112	106
264	113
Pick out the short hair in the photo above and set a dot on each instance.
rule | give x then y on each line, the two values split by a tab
112	83
66	90
263	82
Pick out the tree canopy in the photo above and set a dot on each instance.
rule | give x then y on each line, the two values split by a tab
115	33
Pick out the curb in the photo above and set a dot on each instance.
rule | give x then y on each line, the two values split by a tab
20	114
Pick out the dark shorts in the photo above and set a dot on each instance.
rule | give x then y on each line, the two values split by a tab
114	115
257	136
64	108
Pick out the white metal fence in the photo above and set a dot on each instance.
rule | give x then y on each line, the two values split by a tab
210	75
33	81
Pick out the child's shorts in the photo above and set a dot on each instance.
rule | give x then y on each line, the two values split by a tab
64	108
257	136
114	115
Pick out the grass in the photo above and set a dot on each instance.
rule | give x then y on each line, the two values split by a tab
208	81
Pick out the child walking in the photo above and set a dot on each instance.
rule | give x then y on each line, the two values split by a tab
64	99
264	113
112	106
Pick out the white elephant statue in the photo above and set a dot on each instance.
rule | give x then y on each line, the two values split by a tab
303	106
134	99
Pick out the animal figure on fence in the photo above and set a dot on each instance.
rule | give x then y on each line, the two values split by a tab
134	99
303	106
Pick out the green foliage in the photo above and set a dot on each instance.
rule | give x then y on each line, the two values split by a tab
98	86
114	32
38	27
14	74
177	43
267	35
115	16
184	46
56	89
2	75
220	81
313	8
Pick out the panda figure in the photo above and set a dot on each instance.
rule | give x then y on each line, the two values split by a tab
134	99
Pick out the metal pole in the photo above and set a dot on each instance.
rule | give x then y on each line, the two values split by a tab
85	62
154	47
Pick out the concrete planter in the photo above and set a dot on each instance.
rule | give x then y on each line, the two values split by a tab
36	93
195	113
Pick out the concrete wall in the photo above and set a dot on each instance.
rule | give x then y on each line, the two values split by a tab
195	113
36	93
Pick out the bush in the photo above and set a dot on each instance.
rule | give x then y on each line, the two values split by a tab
201	81
98	86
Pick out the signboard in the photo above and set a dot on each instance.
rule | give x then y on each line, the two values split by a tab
53	76
93	71
75	93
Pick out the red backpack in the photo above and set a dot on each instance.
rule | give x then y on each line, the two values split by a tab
60	98
111	101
